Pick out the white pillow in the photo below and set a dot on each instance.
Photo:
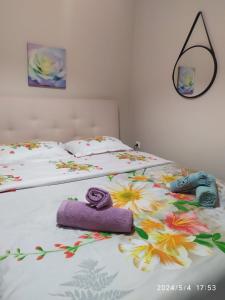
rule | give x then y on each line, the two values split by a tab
95	145
30	149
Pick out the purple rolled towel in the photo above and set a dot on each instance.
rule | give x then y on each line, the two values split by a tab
79	215
98	198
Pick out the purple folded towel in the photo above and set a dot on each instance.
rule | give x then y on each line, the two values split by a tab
98	198
79	215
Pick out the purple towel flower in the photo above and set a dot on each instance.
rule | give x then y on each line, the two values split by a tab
79	215
98	198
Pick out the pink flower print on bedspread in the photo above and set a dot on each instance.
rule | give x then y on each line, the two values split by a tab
29	145
68	250
134	157
9	178
73	166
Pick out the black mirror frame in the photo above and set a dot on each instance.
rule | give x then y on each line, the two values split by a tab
213	77
183	50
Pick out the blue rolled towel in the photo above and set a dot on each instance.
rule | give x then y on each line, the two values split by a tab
188	183
207	195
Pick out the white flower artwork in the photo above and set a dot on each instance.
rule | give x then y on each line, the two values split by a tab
46	66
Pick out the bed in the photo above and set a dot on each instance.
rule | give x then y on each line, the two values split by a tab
175	252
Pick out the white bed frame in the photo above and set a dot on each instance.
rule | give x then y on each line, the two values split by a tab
57	119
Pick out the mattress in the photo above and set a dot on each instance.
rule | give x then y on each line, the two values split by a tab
175	252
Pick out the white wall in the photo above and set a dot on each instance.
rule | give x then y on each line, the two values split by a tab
190	132
97	35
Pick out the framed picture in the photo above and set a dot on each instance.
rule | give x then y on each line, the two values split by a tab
186	80
46	66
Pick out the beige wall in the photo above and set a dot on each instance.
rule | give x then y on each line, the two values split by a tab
190	132
96	34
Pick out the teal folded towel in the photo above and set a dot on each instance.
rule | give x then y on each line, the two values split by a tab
207	195
188	183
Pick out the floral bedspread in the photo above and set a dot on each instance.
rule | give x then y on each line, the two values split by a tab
175	242
64	167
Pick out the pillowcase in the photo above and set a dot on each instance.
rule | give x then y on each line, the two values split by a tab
31	149
95	145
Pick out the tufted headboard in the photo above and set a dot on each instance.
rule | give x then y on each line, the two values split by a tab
56	119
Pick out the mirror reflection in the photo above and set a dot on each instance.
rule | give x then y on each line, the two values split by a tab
194	71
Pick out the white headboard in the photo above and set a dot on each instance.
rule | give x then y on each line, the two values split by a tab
56	119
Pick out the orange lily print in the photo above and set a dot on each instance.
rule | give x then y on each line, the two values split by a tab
174	243
147	256
171	242
141	178
185	222
149	225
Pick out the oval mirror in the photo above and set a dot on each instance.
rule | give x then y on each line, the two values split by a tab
194	71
